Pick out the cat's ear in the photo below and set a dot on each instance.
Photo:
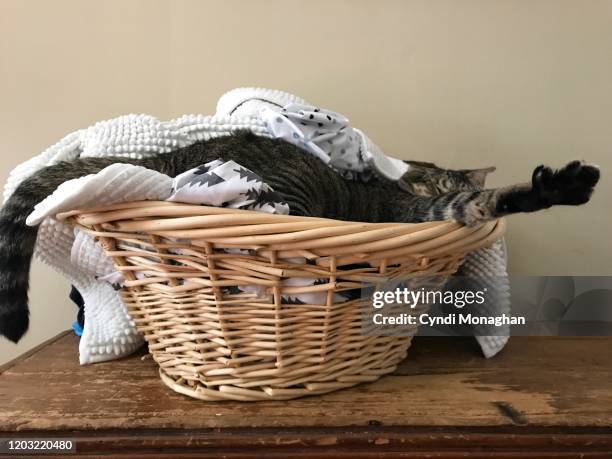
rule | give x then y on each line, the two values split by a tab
478	176
414	175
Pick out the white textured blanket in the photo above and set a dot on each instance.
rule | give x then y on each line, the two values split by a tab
109	333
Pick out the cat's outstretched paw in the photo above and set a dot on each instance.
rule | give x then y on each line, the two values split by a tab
570	185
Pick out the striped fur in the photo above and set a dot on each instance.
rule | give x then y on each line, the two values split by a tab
465	201
307	185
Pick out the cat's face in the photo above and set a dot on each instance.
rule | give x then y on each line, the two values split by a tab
427	179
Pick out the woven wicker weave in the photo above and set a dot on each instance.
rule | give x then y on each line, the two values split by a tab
215	342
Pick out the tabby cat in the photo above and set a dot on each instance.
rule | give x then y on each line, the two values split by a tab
308	186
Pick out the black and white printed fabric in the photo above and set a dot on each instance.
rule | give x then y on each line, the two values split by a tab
222	183
329	136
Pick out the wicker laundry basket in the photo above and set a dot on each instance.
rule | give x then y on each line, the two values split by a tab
186	268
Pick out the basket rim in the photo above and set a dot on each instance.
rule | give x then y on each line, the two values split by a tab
286	235
145	208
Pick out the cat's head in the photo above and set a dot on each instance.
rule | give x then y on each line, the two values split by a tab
427	179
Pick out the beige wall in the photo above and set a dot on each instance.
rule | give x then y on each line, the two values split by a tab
462	83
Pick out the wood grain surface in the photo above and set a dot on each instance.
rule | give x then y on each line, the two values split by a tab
542	397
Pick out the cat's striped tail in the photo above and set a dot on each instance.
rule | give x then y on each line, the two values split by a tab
17	241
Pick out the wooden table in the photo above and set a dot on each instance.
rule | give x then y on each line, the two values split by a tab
542	397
